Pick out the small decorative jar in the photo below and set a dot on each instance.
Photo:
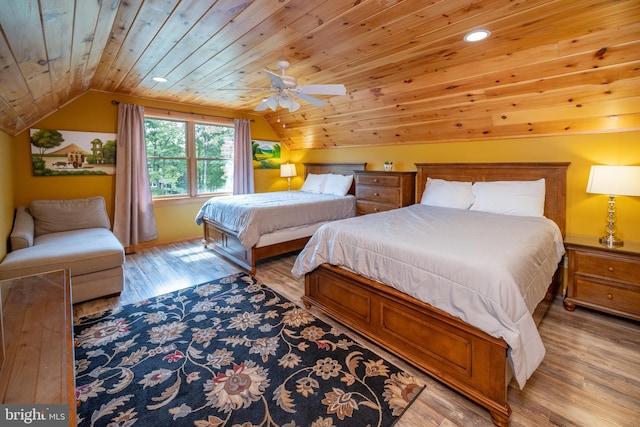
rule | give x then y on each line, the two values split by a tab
388	166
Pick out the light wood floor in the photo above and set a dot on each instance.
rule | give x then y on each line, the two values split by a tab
589	377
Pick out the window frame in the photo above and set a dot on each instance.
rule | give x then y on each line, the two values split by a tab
190	119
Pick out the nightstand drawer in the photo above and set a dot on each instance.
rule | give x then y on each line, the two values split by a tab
363	207
616	298
378	194
608	266
379	180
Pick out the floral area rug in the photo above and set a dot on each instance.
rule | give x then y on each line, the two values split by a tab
231	352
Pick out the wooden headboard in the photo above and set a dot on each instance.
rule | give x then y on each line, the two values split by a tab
554	174
339	168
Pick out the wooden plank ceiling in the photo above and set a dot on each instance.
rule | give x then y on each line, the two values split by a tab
549	67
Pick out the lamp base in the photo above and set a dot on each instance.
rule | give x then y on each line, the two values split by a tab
611	241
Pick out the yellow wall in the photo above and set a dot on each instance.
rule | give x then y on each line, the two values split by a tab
6	189
94	111
586	213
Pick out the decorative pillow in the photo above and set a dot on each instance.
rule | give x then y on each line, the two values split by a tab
447	194
523	198
314	183
337	184
53	216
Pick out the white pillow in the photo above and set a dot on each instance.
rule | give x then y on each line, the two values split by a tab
522	198
314	183
447	194
337	184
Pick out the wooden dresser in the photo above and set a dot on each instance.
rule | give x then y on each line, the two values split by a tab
378	191
603	279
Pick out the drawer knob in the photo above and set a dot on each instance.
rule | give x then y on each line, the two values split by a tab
375	194
610	269
375	209
609	296
375	180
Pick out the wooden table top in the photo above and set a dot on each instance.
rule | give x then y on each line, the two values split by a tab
37	364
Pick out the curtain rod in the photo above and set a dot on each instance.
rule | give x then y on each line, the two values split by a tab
114	102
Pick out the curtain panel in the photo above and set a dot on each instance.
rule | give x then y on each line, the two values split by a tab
242	158
134	219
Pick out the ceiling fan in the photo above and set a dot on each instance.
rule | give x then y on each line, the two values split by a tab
287	89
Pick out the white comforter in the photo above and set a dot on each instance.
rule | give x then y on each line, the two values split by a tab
489	270
251	215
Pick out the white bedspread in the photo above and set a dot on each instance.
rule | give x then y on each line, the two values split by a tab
251	215
489	270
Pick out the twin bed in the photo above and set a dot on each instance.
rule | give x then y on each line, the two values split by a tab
466	309
247	228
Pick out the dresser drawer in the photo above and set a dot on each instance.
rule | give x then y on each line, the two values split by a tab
379	180
604	295
363	207
627	270
378	194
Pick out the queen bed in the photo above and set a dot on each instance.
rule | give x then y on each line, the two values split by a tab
439	307
247	228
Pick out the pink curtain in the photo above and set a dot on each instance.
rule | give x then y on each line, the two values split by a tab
242	158
134	220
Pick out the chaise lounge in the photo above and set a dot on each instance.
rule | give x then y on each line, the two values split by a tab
67	234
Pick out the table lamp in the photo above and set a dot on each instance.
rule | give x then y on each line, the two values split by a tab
613	181
288	170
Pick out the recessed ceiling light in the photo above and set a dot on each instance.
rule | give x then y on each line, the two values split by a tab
160	79
477	35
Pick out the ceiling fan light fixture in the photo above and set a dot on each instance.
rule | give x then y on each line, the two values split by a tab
272	102
476	35
287	102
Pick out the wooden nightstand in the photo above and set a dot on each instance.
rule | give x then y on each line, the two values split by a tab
378	191
603	279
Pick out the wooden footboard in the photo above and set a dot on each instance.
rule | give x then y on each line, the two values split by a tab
454	352
225	243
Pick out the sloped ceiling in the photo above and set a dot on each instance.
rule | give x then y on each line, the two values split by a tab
549	67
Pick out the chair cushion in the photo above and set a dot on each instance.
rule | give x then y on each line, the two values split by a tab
82	251
52	216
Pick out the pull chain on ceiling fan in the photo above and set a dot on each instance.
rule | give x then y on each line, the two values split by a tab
287	88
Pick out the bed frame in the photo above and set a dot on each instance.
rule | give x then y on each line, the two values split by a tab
452	351
225	242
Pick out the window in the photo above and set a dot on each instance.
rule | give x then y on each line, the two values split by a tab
188	157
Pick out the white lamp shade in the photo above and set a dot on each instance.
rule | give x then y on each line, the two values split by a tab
614	180
288	170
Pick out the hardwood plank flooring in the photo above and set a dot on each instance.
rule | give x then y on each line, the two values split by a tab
590	376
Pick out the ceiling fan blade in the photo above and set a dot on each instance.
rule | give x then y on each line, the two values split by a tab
246	89
276	80
310	99
270	102
322	89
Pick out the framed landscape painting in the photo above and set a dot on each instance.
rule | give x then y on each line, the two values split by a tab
62	152
266	154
